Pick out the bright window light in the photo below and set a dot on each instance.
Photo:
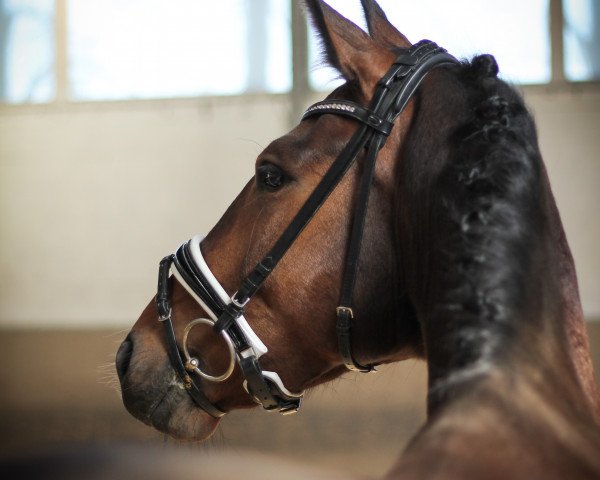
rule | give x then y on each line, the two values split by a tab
582	39
177	48
27	51
515	32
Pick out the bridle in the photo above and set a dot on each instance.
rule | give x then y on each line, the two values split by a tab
188	266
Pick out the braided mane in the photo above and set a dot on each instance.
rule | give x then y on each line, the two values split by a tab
490	194
484	219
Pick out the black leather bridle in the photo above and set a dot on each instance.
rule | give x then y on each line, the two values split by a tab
392	94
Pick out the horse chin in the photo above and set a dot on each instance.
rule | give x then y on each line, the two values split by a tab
183	421
169	410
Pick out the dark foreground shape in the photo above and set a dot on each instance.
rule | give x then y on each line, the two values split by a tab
128	462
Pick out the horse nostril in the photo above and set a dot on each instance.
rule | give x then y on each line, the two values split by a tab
124	356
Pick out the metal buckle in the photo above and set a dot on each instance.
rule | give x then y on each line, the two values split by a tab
347	310
164	318
289	410
238	304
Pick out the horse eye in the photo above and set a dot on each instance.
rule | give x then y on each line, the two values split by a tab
270	176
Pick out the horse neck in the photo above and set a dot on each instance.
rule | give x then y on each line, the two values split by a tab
573	328
486	261
543	347
538	345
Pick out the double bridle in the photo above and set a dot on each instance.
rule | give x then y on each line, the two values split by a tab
188	266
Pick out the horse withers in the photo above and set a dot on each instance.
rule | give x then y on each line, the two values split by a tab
407	215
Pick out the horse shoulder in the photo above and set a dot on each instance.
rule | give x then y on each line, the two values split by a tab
499	430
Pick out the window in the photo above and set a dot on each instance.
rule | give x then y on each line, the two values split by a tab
27	51
517	34
95	50
582	39
175	48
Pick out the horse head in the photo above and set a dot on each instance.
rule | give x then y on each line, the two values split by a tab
290	324
408	212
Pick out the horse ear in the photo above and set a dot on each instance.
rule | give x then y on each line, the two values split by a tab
348	48
380	28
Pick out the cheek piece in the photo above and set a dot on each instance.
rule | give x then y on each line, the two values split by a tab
392	94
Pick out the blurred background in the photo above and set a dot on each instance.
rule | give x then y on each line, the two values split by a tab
127	127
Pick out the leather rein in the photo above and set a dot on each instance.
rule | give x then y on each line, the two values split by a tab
393	92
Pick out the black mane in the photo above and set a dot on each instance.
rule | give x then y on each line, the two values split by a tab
479	217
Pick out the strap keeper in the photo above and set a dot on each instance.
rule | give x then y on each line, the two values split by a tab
265	266
254	280
162	295
379	124
226	319
408	59
164	313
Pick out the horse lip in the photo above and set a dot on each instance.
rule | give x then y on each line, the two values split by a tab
153	408
173	383
136	399
166	419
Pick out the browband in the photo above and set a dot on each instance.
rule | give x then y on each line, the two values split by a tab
352	110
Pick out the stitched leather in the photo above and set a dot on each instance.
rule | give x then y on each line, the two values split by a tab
344	319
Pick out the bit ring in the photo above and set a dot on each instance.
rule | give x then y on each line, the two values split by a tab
192	363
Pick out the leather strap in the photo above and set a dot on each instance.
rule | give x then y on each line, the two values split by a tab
164	312
195	280
344	311
261	388
412	65
352	110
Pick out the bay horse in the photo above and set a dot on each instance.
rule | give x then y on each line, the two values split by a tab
453	251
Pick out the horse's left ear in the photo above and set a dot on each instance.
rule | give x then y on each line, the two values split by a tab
380	28
348	48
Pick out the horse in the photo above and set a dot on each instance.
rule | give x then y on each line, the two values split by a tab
408	215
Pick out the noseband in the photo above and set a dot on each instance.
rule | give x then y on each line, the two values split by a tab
226	313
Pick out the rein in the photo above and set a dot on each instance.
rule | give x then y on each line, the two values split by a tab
392	94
